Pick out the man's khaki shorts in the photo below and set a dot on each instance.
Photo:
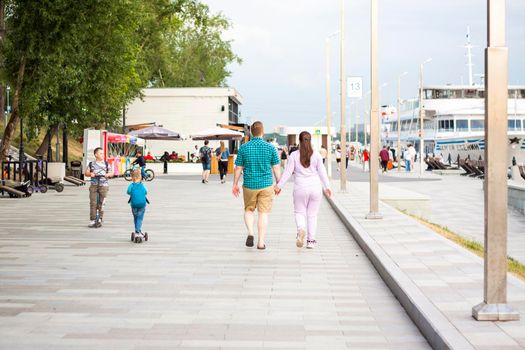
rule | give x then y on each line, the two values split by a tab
260	199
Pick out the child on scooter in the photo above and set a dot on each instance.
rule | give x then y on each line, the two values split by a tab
137	198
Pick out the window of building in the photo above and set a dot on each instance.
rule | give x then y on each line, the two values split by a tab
429	94
477	125
446	125
461	125
514	124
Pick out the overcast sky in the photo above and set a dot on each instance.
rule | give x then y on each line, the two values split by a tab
281	42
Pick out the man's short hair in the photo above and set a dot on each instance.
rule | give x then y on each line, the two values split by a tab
257	129
206	142
96	150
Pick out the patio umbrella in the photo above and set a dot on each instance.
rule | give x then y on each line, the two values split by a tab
217	134
156	133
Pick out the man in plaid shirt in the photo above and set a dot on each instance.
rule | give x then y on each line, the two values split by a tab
257	160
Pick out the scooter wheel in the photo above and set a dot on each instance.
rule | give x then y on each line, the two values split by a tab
43	189
30	190
59	187
132	236
146	236
138	240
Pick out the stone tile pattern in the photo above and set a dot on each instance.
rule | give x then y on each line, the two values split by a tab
193	286
451	277
456	200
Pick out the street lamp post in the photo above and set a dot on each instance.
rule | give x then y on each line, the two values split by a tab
494	306
21	152
421	117
328	108
399	121
374	116
343	100
8	107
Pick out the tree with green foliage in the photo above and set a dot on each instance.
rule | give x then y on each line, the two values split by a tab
77	63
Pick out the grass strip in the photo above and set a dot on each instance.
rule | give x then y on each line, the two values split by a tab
514	266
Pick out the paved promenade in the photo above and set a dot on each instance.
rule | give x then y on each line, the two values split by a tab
455	200
437	280
193	286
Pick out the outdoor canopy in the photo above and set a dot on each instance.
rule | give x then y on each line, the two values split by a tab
156	133
217	134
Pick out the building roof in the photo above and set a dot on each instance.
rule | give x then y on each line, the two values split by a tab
194	92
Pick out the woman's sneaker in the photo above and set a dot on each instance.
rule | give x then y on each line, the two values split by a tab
311	244
300	238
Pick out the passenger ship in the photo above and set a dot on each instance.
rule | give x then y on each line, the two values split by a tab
454	123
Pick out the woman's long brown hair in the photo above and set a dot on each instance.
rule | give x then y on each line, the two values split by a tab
305	148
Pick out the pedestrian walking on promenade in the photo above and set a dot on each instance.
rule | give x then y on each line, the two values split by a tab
223	154
338	157
406	157
310	180
98	172
257	161
324	153
366	158
205	156
137	198
412	152
165	159
284	156
384	157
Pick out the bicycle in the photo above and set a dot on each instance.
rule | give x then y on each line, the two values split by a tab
150	174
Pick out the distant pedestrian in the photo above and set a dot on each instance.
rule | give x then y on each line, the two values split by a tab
165	159
223	154
310	180
390	158
137	198
205	156
338	157
412	152
257	161
284	156
384	157
366	159
324	153
406	157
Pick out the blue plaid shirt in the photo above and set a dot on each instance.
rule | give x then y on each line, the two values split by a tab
257	157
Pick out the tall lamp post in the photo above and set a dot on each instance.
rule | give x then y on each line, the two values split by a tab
421	117
494	306
374	116
8	88
328	107
21	152
343	100
399	120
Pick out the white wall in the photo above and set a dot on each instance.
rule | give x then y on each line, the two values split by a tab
185	111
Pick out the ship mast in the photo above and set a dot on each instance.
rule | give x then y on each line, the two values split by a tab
468	46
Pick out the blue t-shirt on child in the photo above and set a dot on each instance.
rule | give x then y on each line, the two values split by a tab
137	192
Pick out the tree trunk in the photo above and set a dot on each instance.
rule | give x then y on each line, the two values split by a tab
15	115
42	149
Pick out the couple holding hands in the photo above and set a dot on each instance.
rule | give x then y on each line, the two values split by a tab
258	161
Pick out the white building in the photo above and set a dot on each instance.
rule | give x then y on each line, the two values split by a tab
319	134
186	111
